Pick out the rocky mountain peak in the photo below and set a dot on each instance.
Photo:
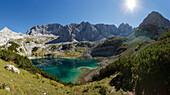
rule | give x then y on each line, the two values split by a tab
5	29
84	22
153	26
7	34
154	13
125	29
156	19
124	25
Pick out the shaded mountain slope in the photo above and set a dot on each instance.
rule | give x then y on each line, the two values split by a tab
111	46
153	26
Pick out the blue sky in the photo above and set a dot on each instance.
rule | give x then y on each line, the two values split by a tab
20	15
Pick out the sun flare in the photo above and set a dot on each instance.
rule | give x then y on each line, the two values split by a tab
131	4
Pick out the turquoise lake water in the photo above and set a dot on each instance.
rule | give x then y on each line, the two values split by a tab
67	70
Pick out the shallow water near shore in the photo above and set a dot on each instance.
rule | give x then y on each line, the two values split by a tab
68	70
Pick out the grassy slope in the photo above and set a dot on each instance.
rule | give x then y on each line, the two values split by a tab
26	83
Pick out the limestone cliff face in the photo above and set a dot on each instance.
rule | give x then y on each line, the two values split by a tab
153	26
81	32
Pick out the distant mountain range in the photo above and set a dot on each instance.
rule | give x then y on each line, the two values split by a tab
81	32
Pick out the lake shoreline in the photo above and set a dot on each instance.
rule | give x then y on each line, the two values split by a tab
102	64
87	75
51	57
82	78
66	58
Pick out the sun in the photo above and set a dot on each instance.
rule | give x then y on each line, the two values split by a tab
131	4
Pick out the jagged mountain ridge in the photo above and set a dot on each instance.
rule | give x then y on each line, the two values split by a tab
84	31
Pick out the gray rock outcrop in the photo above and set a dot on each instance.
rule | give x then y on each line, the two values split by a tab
45	29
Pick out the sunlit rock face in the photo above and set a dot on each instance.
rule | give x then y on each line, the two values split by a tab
153	26
7	34
22	43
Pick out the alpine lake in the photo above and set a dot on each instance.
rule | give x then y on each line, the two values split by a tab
68	70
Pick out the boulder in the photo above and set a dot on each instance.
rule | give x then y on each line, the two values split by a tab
12	67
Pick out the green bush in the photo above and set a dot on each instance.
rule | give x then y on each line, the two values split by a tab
13	46
3	86
165	36
102	91
35	49
21	50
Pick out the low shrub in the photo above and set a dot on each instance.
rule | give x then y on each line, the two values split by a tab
3	86
13	46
